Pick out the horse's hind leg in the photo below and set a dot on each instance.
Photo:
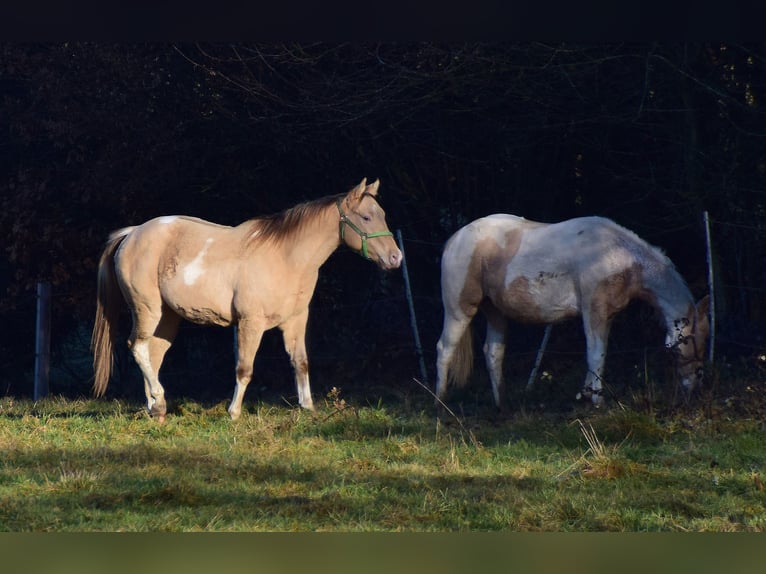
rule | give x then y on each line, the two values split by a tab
454	330
151	339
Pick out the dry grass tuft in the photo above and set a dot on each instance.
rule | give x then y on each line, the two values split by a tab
599	460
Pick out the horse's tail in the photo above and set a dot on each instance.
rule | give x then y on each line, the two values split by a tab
462	360
108	298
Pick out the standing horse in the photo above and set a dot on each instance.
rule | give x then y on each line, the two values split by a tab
258	275
510	267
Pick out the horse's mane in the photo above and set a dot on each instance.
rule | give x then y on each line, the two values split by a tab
663	266
632	240
280	226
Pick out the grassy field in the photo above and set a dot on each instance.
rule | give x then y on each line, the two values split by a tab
86	465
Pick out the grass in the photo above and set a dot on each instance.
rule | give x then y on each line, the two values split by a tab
86	465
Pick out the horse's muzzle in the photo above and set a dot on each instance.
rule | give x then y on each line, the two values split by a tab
392	260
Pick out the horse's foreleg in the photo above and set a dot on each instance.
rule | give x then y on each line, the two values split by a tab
596	335
294	335
248	340
494	352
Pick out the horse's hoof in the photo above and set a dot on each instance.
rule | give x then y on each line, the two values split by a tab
598	401
158	413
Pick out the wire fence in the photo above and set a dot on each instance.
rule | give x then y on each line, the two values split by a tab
377	333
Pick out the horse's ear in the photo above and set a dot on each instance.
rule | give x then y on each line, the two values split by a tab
372	189
355	194
703	306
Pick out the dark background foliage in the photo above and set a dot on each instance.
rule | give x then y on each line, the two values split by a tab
98	136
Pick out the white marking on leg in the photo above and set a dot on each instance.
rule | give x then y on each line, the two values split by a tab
148	393
494	352
154	391
304	392
596	351
443	359
235	408
195	269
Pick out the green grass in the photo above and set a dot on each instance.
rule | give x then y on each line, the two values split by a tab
86	465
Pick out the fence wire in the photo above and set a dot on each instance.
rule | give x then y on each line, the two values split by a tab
366	337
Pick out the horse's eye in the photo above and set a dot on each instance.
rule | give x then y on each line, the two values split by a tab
367	218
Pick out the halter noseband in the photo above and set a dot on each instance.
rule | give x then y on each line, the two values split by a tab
344	220
681	339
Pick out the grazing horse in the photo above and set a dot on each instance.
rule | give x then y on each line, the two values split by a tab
513	268
258	275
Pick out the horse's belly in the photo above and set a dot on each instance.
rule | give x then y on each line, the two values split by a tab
205	307
545	298
204	315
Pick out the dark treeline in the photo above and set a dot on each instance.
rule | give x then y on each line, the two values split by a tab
99	136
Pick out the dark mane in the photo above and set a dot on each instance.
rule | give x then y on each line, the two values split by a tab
279	226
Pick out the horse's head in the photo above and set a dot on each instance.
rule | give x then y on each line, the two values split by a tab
370	237
688	340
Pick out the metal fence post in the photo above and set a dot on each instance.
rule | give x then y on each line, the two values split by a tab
711	288
413	320
42	340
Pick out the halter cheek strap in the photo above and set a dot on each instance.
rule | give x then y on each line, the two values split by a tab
344	220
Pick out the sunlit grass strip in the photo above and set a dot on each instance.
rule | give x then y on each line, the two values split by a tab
95	465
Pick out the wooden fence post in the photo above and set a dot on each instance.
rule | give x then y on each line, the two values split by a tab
42	340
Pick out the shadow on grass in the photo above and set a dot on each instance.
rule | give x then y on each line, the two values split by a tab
96	489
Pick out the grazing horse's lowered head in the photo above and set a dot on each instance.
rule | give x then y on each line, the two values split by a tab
532	272
687	340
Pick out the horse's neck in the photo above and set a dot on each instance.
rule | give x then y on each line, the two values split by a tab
671	295
312	245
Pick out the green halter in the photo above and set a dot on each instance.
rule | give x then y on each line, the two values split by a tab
344	220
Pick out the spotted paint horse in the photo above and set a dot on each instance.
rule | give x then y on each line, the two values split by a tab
258	275
513	268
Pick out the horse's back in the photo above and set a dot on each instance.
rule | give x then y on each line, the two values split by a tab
171	236
534	271
476	256
565	238
181	225
563	245
493	227
184	261
591	248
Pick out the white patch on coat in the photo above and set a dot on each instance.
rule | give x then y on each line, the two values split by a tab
195	269
141	353
167	219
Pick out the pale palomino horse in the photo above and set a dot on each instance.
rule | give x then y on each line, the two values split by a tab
513	268
258	275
